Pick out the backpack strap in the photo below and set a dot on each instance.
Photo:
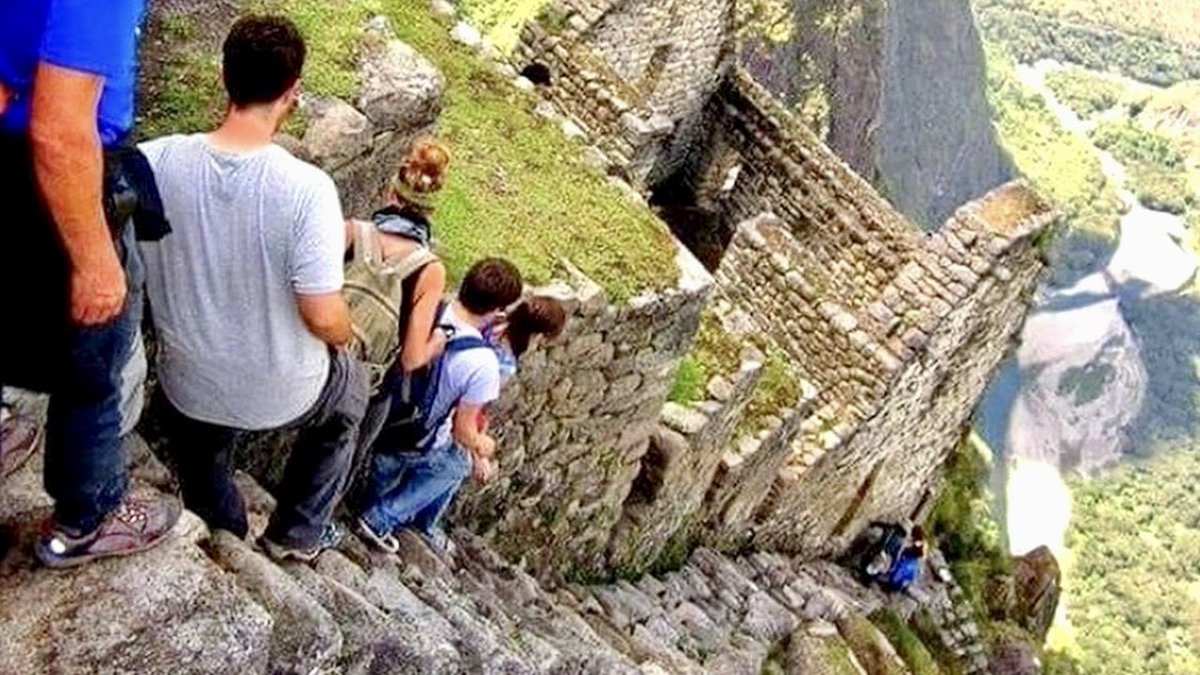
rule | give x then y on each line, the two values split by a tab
366	243
454	346
412	263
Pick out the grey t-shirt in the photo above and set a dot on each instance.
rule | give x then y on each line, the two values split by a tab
250	232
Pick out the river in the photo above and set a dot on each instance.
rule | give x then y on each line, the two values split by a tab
1068	397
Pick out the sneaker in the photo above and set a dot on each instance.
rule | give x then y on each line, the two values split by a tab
385	541
19	439
330	537
135	525
438	540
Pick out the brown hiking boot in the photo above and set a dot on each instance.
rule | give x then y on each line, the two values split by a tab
19	439
136	525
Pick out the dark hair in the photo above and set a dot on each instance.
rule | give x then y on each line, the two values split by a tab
534	316
490	284
263	57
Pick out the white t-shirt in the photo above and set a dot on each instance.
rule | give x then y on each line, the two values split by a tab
470	377
249	232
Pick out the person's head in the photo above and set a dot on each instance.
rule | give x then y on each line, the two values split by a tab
262	60
532	320
423	170
918	539
490	285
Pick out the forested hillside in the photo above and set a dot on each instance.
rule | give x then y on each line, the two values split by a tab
1133	594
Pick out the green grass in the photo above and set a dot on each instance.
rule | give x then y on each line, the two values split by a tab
187	96
501	20
908	645
518	187
714	352
963	525
778	390
689	383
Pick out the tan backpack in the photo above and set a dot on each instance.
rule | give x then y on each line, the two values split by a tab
374	290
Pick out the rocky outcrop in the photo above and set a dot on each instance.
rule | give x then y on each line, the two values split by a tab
1037	578
898	90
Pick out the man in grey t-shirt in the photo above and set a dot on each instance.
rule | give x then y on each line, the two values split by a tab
246	300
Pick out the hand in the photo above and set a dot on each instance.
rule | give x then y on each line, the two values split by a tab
486	447
3	98
483	470
97	291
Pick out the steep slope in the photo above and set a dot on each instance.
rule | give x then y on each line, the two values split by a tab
899	90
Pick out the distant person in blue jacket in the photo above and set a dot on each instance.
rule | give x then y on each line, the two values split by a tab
907	568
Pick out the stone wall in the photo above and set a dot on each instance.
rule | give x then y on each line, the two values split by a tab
575	422
842	226
685	452
746	475
883	468
768	275
635	76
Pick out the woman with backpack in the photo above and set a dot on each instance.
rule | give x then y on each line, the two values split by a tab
395	283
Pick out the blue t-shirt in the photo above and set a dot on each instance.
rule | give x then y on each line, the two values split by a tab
85	35
905	571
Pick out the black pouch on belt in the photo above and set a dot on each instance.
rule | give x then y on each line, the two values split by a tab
131	192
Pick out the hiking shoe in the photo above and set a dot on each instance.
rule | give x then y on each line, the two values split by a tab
136	525
385	542
19	439
330	537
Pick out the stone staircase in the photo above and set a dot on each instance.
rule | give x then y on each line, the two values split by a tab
208	602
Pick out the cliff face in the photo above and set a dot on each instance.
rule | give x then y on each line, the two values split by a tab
898	90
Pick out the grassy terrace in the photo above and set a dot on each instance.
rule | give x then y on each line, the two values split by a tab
716	352
517	186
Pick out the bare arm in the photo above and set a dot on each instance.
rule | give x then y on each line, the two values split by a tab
466	431
69	164
326	316
421	342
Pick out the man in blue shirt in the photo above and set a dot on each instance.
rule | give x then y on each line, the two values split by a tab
67	80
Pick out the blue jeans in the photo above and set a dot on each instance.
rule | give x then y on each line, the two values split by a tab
42	350
414	489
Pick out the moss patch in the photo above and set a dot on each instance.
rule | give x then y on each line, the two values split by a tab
517	186
714	352
778	389
864	640
908	645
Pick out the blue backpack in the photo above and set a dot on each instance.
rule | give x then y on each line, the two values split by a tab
412	423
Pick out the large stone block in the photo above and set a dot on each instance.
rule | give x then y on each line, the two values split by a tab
400	89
